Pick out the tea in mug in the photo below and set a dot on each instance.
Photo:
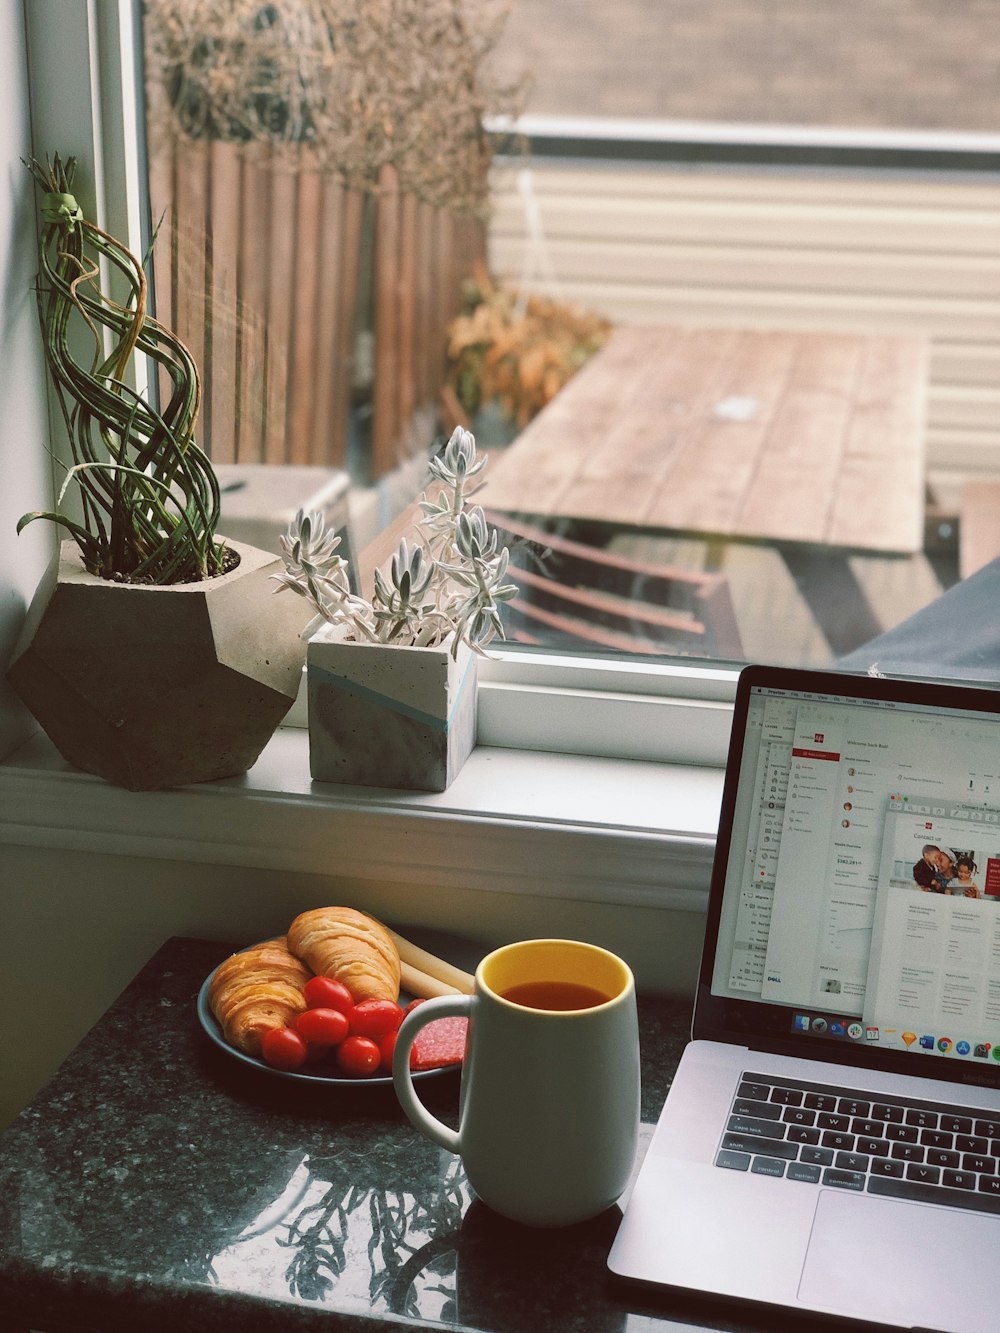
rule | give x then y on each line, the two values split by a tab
563	995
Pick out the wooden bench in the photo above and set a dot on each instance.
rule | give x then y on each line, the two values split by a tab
581	593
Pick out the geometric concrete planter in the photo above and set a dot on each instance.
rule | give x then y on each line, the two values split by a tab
154	687
385	716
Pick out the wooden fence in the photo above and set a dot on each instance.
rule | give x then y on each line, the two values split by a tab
269	271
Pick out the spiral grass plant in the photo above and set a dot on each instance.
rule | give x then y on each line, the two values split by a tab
149	495
452	582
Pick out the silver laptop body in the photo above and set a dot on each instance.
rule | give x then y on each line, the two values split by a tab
831	1140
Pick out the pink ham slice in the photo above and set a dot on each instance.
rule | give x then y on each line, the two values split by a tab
439	1044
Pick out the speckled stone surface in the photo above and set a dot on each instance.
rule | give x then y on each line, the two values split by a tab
156	1184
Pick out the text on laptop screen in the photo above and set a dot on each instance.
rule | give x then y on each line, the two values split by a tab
863	880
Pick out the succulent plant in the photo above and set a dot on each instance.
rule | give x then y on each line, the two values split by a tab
452	582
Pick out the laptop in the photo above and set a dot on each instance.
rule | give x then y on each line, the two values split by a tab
831	1140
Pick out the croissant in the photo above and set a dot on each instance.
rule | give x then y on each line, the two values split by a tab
256	990
349	946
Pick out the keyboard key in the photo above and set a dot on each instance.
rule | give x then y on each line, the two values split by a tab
800	1171
927	1175
907	1152
922	1119
767	1166
915	1189
758	1092
762	1110
734	1161
852	1161
943	1157
956	1124
769	1147
802	1134
901	1133
988	1129
889	1115
746	1124
990	1185
971	1143
845	1142
828	1120
850	1106
786	1096
958	1180
885	1166
847	1180
816	1156
820	1101
985	1166
873	1147
874	1129
797	1115
934	1138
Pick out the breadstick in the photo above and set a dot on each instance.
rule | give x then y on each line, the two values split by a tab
435	968
420	984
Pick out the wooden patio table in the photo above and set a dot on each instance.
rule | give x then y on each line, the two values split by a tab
772	436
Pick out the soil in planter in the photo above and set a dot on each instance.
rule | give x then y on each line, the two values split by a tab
230	560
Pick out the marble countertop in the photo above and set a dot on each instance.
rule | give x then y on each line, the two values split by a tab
157	1184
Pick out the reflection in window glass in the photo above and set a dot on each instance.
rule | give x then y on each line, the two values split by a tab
734	409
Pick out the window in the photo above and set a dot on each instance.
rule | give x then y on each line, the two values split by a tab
809	257
601	703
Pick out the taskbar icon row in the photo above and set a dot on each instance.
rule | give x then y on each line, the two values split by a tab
849	1029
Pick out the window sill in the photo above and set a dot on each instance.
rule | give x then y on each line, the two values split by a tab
569	826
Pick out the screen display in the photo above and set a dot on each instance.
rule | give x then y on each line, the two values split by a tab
862	883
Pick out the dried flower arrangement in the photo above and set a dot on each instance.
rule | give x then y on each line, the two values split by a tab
452	584
519	350
366	84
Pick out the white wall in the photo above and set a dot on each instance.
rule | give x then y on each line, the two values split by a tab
24	477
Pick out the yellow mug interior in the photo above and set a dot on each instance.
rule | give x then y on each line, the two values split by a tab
554	960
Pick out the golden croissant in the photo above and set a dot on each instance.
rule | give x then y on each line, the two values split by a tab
349	946
256	990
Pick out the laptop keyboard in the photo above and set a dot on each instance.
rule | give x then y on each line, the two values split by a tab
820	1135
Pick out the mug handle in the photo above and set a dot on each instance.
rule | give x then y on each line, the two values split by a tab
444	1006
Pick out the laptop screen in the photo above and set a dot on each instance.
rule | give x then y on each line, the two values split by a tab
856	891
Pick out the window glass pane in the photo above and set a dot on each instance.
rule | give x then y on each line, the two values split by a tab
787	406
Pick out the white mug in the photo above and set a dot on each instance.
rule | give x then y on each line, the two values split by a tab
549	1103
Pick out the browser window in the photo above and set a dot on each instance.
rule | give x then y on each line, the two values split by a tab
869	875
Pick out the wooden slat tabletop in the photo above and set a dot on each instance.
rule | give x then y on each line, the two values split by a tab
775	436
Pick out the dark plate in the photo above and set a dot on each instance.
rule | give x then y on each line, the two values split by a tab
459	951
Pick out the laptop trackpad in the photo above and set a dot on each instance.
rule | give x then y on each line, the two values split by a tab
883	1259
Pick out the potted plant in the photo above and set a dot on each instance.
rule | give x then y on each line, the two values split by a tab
511	352
392	698
152	654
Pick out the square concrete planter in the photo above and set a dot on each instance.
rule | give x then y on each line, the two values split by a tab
153	687
385	716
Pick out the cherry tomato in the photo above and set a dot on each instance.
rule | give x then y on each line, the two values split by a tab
374	1018
326	993
387	1047
283	1048
359	1056
322	1027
